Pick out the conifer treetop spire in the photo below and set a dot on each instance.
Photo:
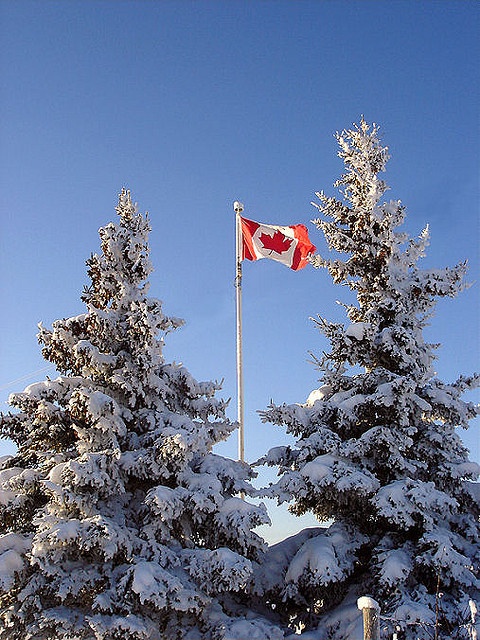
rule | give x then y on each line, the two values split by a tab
120	273
364	157
125	208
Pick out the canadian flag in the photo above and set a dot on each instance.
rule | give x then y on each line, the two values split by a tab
288	245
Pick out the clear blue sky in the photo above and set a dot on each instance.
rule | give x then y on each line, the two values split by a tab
193	105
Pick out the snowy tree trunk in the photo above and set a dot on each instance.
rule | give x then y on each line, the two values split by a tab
371	618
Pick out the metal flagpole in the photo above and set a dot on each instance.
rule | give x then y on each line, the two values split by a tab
238	208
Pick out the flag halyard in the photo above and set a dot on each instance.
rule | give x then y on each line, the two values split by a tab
289	245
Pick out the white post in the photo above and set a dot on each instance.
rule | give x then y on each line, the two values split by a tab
371	617
238	208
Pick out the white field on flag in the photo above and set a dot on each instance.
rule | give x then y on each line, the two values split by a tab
289	245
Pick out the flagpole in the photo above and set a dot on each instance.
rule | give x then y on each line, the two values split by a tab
238	208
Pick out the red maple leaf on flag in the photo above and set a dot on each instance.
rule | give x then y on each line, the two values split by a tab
278	242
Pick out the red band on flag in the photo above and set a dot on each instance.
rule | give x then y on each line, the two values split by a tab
249	227
304	248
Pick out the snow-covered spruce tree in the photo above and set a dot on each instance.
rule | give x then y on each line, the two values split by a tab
116	519
376	448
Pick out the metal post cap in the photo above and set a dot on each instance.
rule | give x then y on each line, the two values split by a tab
238	207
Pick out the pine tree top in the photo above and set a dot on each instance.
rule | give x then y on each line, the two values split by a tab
377	261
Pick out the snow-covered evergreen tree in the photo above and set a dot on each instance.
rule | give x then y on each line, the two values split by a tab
376	446
117	520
